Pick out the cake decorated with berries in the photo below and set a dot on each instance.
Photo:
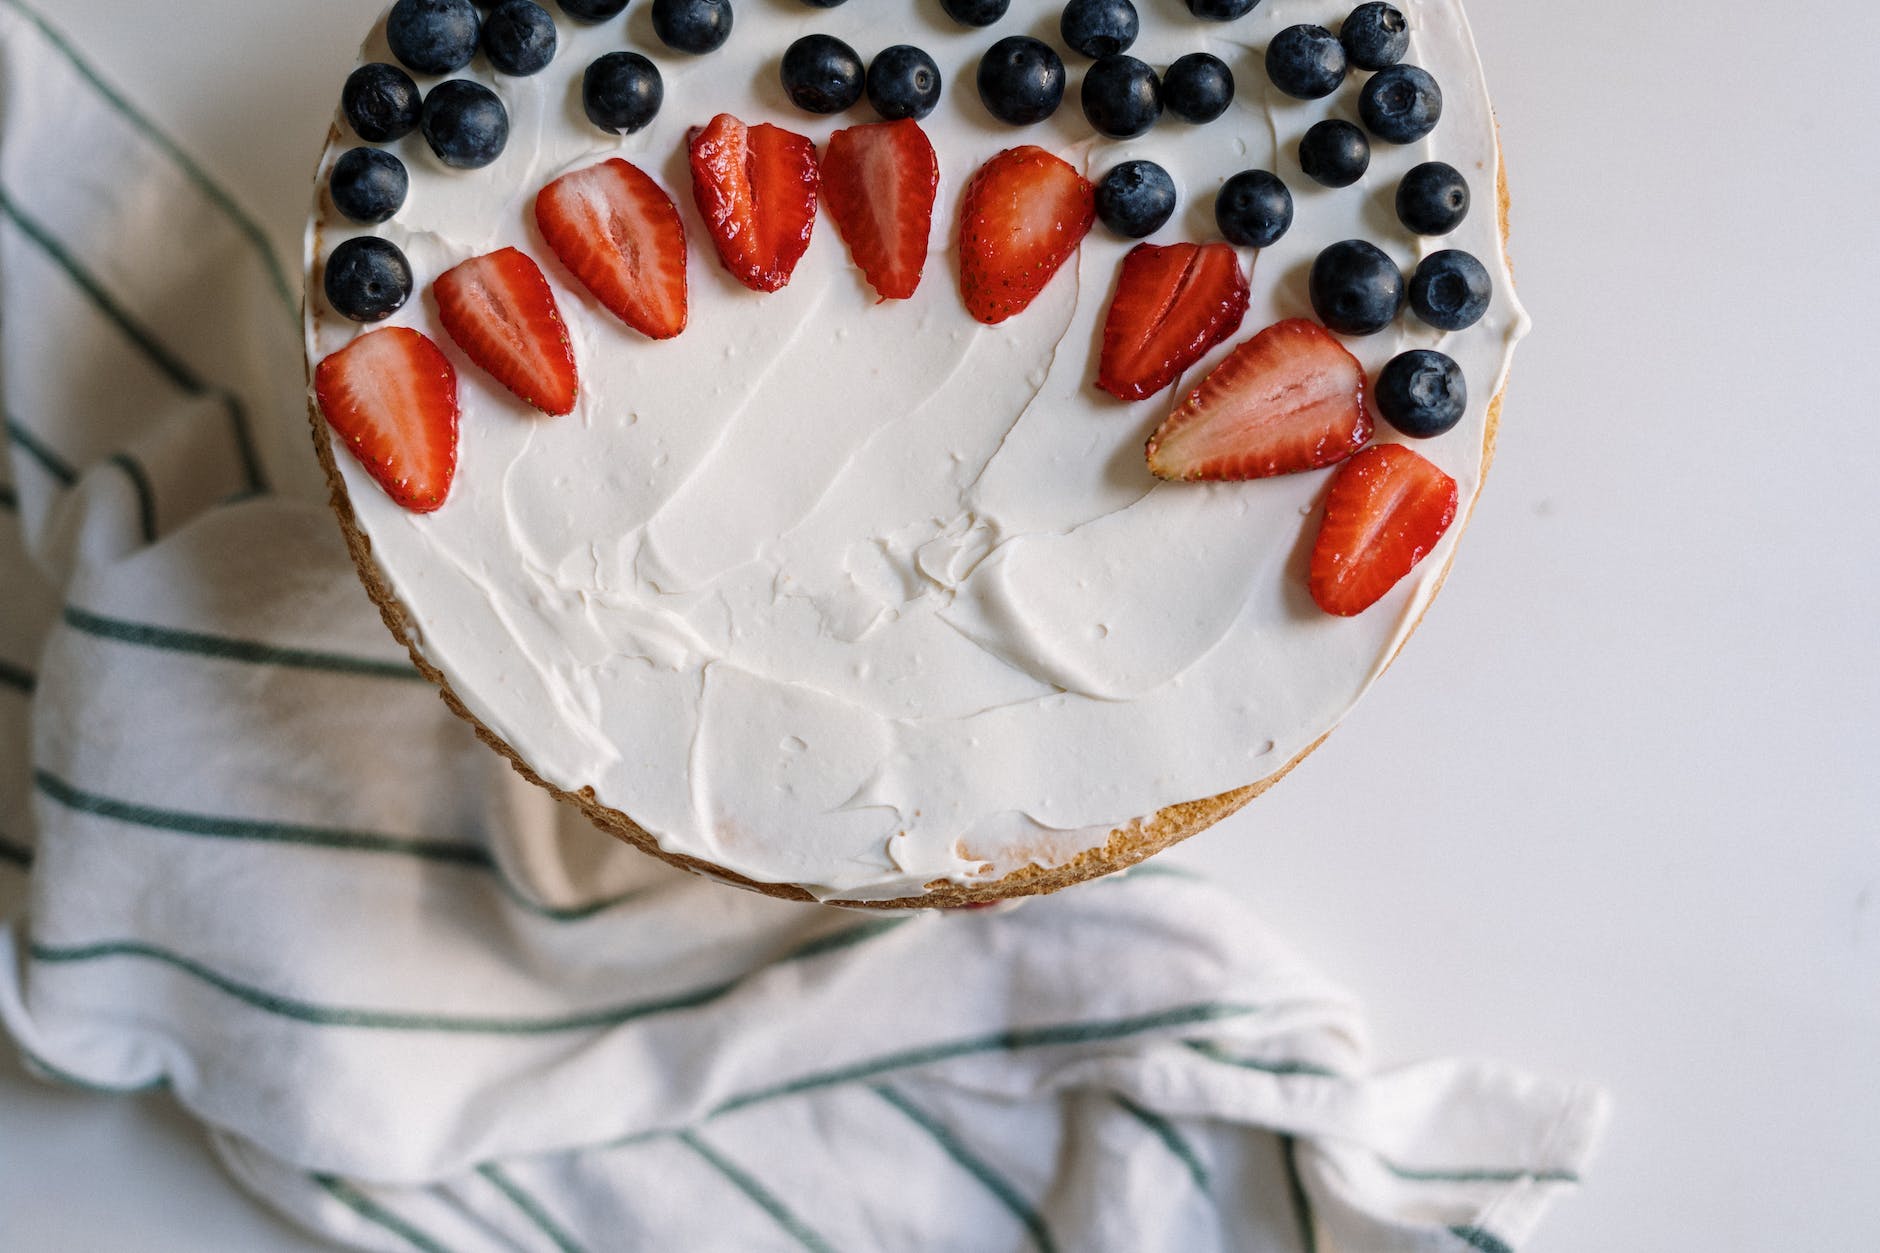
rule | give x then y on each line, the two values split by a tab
908	452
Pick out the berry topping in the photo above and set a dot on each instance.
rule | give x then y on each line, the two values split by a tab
592	10
465	124
1172	304
1135	198
433	36
1287	400
1386	510
879	182
1450	290
1198	87
823	4
1334	153
1306	62
368	185
1122	97
1099	28
499	310
695	26
1355	288
367	279
1253	209
821	74
903	82
622	92
756	189
1021	80
1433	198
1221	10
1022	216
381	103
519	37
975	12
391	397
1401	104
1375	35
1421	393
619	233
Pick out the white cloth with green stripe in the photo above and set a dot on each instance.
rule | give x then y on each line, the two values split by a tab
245	854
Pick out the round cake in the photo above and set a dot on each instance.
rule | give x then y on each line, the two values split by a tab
808	440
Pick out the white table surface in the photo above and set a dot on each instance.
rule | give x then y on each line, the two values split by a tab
1615	813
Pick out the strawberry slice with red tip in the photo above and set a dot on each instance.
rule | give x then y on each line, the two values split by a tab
1387	509
499	310
1172	304
756	188
879	181
1289	399
1022	217
391	397
619	233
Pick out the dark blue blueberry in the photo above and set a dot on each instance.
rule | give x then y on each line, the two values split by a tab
1375	35
519	37
1401	104
621	92
1122	97
1306	62
1355	288
975	12
433	36
903	82
1334	153
367	279
1221	10
368	185
1198	87
1422	393
695	26
1451	290
1136	198
592	10
381	103
1099	28
821	74
1253	209
1433	198
1021	80
465	124
822	4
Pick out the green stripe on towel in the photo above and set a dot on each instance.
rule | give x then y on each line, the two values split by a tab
536	1212
1301	1200
1476	1238
228	648
1215	1053
42	454
1170	1135
370	1210
9	499
1466	1174
17	677
146	495
13	853
70	1080
974	1165
764	1198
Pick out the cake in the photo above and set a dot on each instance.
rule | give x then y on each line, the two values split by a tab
808	542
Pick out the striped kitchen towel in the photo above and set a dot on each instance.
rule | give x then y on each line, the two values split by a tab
247	856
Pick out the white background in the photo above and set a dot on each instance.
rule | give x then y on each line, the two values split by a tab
1616	812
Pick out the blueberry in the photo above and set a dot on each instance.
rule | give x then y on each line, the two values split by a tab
1355	288
381	103
368	185
1334	153
1221	10
1422	393
367	279
1099	28
1198	87
695	26
903	82
592	10
519	37
1401	104
1253	209
1122	97
1021	80
822	4
975	12
433	36
1433	198
1306	62
822	74
465	124
1136	198
1451	290
1375	35
621	92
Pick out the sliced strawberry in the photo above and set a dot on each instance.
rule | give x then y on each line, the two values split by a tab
1022	217
1172	304
619	233
1387	508
1289	399
499	310
756	187
391	397
879	182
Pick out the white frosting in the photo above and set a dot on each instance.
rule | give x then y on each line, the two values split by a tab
860	596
